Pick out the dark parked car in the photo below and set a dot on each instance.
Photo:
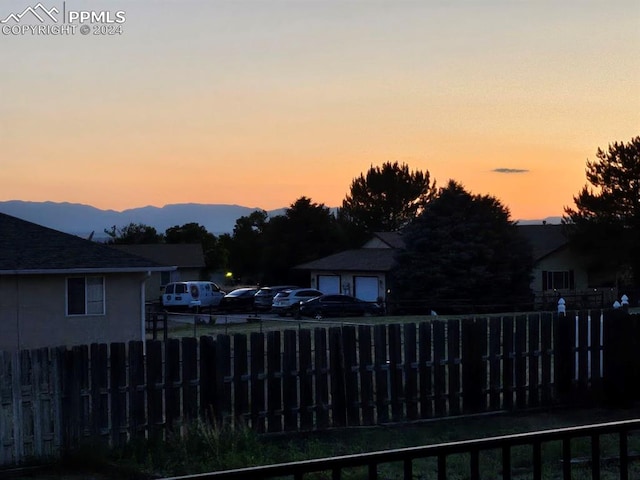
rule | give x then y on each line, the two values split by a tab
264	297
338	306
238	300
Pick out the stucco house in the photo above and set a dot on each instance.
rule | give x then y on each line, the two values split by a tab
360	272
59	289
558	270
188	259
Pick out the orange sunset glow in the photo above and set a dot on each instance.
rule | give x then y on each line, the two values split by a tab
257	103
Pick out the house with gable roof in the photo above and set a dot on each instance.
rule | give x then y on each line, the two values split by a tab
360	272
58	289
558	269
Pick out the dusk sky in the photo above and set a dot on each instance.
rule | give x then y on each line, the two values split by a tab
258	103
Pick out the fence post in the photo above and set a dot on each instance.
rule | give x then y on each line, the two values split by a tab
336	364
618	358
563	359
473	365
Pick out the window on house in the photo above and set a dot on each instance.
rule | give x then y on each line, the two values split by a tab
165	277
562	280
85	296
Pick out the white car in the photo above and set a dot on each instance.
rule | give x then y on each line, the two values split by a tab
288	301
185	295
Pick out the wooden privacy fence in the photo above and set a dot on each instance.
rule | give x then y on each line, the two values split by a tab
309	379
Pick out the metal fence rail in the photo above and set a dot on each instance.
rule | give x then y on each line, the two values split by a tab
472	448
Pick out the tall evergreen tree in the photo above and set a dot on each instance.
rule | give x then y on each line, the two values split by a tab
463	249
305	232
606	218
386	198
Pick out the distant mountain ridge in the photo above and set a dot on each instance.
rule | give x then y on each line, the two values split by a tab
79	219
82	220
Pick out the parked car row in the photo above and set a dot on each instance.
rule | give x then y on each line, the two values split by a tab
281	299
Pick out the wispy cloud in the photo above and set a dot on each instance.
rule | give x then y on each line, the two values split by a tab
510	170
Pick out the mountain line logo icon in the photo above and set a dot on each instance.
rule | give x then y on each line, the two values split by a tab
38	11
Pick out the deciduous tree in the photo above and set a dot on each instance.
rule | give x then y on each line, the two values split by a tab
246	245
215	254
134	233
305	232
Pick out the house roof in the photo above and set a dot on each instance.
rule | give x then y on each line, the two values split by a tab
28	248
393	239
183	255
544	239
364	259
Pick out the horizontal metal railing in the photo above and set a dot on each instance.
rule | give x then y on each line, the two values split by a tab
535	440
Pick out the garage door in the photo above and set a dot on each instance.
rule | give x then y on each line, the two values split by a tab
329	284
366	288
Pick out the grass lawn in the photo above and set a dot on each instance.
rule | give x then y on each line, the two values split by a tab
206	449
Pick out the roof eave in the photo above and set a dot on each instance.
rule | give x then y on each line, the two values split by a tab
79	271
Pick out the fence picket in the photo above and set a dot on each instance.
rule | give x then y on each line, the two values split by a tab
208	391
547	354
366	375
337	378
223	402
189	379
425	370
305	374
274	383
240	379
495	362
173	384
474	341
257	382
395	372
155	389
582	355
595	377
534	360
410	371
439	369
137	386
118	388
322	376
290	381
453	365
508	363
382	372
520	360
351	375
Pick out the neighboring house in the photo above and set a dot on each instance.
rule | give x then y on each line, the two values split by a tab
188	258
361	272
556	266
561	271
58	289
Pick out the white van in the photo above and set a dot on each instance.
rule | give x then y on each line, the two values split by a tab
184	295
